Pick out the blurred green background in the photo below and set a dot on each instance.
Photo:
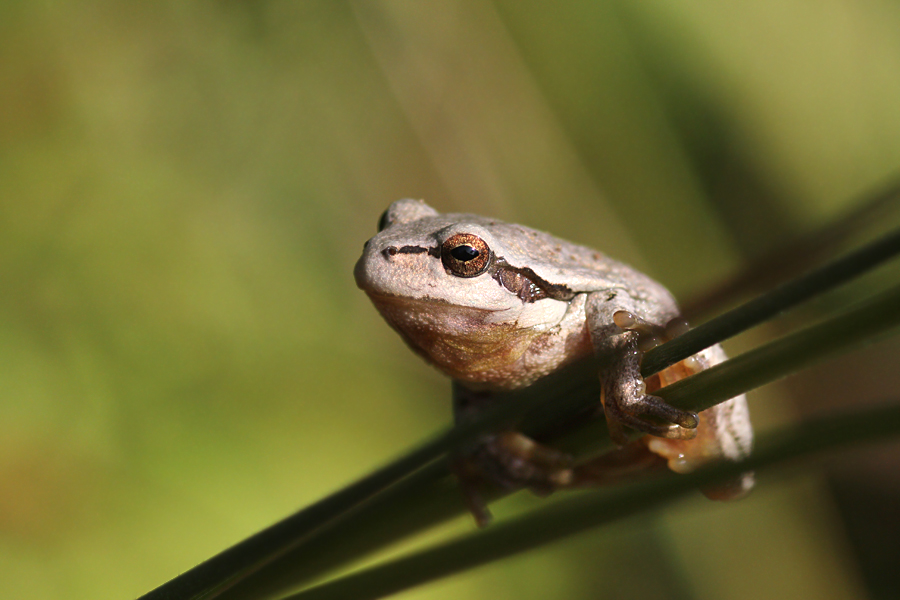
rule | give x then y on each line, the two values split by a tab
185	187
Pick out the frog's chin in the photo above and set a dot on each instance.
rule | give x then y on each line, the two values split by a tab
458	320
444	317
438	307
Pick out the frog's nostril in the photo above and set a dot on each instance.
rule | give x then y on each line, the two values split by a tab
390	251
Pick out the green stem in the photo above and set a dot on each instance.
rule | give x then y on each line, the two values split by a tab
768	305
789	354
790	259
589	510
428	498
215	576
561	394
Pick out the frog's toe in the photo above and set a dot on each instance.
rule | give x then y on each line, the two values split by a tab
511	460
677	432
670	431
653	416
655	407
537	454
514	460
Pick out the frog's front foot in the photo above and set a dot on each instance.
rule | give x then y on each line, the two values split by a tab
647	414
626	402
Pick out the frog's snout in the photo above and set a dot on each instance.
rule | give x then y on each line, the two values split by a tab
359	270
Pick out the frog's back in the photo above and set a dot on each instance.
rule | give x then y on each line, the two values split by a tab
579	268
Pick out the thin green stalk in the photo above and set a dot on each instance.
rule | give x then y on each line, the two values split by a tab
790	259
771	303
589	510
859	325
265	546
415	504
789	354
214	576
418	503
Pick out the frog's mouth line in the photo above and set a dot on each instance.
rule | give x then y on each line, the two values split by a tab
395	300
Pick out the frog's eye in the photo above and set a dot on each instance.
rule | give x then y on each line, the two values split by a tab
465	255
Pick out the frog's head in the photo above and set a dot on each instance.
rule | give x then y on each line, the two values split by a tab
444	282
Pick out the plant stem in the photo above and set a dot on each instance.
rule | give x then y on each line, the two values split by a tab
419	502
792	258
768	305
575	388
592	509
789	354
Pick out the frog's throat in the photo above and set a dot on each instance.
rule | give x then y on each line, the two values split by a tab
464	343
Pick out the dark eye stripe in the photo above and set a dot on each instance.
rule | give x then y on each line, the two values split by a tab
528	285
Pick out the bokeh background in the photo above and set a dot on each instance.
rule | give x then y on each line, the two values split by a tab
185	187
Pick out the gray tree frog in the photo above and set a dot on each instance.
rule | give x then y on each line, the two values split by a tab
497	306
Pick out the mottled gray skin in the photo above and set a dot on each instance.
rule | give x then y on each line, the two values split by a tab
527	304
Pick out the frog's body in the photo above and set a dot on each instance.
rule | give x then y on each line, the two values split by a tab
497	306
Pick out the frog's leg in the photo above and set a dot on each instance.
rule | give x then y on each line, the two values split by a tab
507	458
617	333
721	432
513	461
724	431
617	466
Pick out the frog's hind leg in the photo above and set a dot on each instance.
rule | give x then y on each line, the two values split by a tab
508	458
620	465
724	431
512	461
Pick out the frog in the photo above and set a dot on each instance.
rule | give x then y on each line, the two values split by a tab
498	306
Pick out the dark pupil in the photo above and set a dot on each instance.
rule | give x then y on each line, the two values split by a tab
464	253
